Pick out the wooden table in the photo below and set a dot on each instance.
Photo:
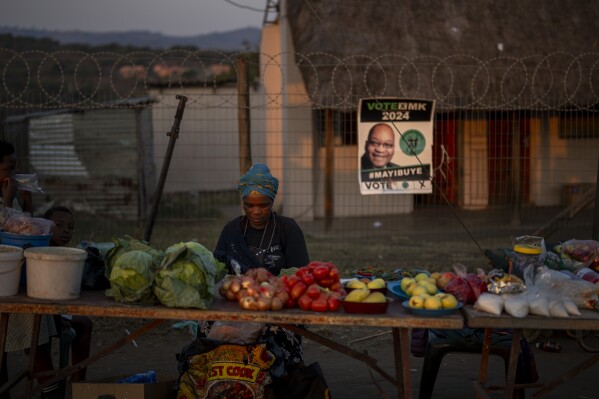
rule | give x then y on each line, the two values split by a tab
589	320
97	304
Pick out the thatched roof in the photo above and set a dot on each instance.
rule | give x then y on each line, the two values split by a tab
483	53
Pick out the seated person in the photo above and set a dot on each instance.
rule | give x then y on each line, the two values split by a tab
262	238
78	328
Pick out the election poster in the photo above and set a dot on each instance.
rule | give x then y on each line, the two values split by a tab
395	145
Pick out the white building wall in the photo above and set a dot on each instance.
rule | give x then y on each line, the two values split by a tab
206	153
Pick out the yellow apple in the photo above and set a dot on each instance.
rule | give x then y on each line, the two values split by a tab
357	295
421	276
431	288
433	303
404	283
410	287
418	290
448	301
416	302
375	297
377	283
354	283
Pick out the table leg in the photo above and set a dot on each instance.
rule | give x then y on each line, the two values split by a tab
401	348
513	366
37	318
484	366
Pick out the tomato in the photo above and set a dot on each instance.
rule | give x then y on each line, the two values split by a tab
313	291
326	282
290	281
335	286
305	302
297	290
302	270
290	303
333	303
334	273
321	272
308	279
320	304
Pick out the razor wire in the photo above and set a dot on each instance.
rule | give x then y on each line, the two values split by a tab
77	79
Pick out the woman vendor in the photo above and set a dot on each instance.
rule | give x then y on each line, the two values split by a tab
261	238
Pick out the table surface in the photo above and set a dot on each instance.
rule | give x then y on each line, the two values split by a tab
588	320
96	303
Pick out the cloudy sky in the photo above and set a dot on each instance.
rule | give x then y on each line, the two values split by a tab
170	17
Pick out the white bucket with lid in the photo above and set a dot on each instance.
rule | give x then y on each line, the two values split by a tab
54	272
11	259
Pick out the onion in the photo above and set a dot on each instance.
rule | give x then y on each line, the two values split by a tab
277	304
248	303
235	286
263	303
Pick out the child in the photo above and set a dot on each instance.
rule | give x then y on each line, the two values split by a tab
79	326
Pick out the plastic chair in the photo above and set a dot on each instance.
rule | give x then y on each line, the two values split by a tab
436	349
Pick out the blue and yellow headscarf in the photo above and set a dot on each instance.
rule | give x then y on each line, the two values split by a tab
258	179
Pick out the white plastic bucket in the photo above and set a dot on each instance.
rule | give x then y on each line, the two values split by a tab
54	272
11	259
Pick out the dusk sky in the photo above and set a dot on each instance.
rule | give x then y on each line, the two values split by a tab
170	17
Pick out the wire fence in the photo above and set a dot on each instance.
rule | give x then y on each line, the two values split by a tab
516	141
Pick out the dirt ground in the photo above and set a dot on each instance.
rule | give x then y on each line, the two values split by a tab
347	378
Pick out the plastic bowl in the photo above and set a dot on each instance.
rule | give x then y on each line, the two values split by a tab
365	307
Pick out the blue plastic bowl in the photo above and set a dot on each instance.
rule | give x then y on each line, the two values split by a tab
25	242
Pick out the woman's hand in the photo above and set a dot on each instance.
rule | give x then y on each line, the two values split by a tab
9	190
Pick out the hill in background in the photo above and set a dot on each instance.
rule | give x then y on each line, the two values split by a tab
246	39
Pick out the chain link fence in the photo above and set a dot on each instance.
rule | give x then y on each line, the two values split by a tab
515	140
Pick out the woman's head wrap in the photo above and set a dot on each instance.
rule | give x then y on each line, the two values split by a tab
258	179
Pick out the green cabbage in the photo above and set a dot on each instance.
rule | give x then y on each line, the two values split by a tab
187	276
126	244
133	276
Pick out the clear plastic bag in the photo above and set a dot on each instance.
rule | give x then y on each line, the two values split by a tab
242	333
582	253
558	285
28	182
22	224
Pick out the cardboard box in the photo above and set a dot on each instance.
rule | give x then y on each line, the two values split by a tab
108	388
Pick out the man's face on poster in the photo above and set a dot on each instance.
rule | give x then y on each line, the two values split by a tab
380	145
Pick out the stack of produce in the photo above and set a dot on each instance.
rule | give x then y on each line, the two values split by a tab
424	293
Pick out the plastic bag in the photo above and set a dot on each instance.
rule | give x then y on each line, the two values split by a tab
212	369
500	282
528	250
22	223
466	287
584	253
516	305
242	333
489	303
28	182
583	293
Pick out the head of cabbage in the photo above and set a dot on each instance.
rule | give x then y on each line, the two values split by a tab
132	277
187	276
